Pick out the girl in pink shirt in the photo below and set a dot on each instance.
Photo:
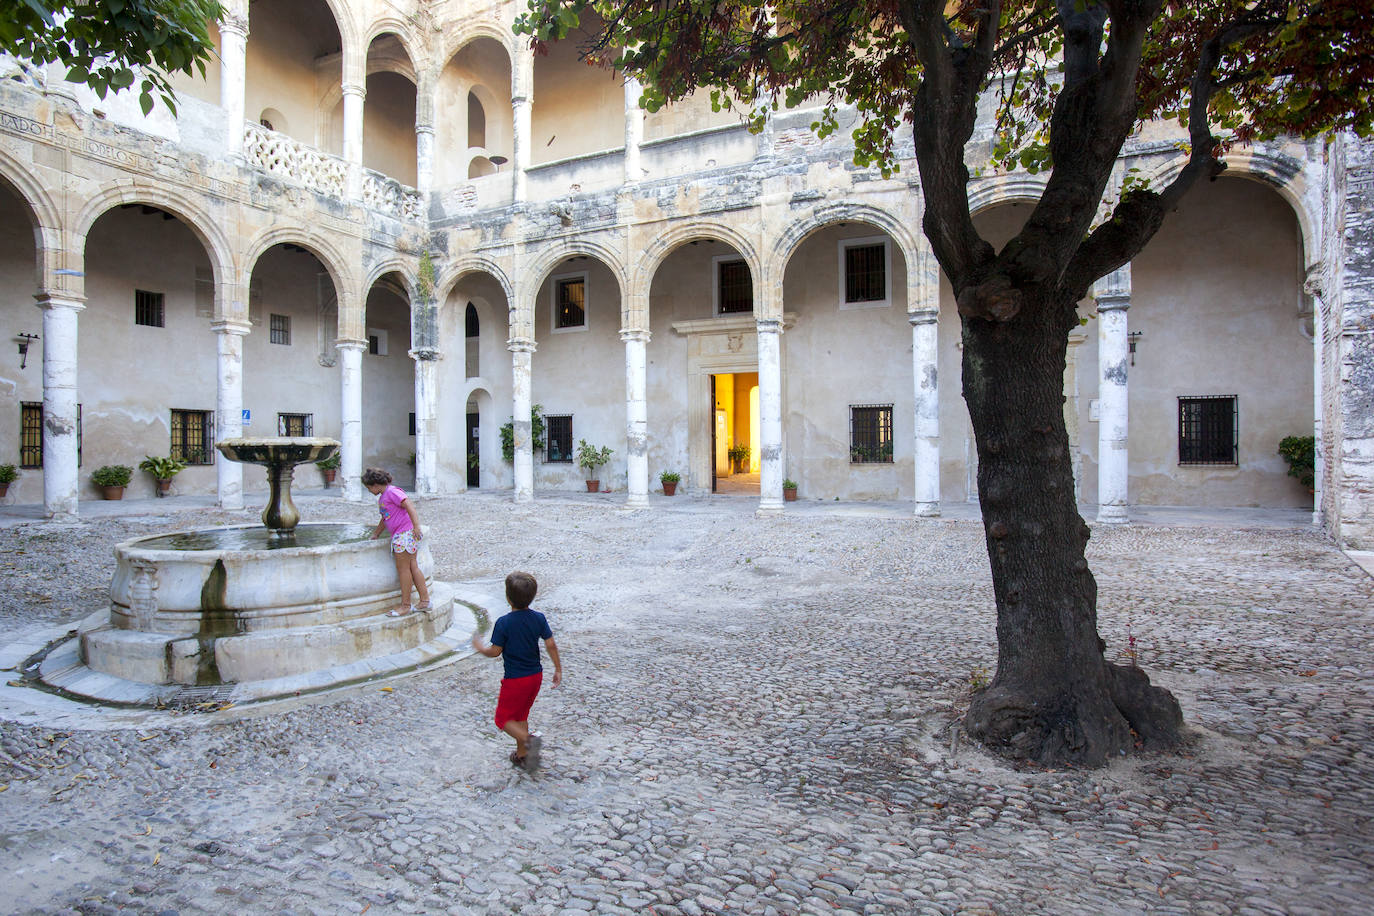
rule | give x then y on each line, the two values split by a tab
399	517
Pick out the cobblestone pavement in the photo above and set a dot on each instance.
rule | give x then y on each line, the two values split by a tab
757	717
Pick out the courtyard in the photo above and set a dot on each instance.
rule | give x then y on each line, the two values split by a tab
759	715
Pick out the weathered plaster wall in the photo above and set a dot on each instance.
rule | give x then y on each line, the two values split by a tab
389	387
19	313
576	109
284	41
389	127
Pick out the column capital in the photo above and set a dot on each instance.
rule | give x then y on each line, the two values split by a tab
521	345
231	326
234	22
1115	302
1115	285
641	335
350	343
424	128
358	89
919	317
425	354
769	325
48	300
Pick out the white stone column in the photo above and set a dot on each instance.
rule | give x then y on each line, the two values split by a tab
426	420
521	100
636	415
424	157
351	417
229	407
60	447
353	95
634	129
1113	294
1312	288
925	358
233	76
522	358
770	415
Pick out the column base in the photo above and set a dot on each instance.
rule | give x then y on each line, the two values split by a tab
637	501
1112	515
928	510
769	505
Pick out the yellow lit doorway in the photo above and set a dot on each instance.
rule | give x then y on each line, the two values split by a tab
735	433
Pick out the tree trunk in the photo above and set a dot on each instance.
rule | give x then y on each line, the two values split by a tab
1054	700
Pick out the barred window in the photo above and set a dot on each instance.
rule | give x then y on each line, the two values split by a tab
193	436
736	293
558	439
870	433
280	330
148	308
865	273
570	303
31	434
1208	430
295	425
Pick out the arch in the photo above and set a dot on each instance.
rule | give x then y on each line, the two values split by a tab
666	243
563	249
473	264
327	255
272	119
472	322
206	229
390	25
47	218
1280	171
477	121
1017	187
470	32
397	264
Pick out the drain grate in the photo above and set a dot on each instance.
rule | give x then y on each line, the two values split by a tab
211	696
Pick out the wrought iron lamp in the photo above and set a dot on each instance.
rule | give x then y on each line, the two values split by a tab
24	340
1131	339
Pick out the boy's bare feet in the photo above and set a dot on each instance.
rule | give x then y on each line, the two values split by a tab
517	760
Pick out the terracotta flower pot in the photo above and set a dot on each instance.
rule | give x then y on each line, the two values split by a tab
328	476
164	486
112	492
789	494
593	486
4	490
669	488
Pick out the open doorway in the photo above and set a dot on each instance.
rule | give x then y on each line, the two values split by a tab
735	433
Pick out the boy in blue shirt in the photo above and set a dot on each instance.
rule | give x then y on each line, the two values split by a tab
515	638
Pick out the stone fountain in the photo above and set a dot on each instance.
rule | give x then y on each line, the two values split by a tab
256	611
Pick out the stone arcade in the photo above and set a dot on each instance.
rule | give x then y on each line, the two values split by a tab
428	231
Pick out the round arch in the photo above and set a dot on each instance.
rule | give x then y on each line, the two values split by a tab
46	219
390	25
665	244
398	265
327	255
1006	189
547	260
470	32
475	264
207	230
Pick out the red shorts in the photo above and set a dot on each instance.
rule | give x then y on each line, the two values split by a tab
516	697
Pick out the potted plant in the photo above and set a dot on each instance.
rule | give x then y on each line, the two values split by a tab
589	458
163	470
739	457
789	490
112	479
329	467
8	475
1301	453
669	479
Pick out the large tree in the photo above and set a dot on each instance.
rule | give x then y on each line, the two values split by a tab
113	44
1072	80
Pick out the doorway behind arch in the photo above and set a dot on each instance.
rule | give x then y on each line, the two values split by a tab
734	422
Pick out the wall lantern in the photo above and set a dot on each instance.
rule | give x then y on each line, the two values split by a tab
24	340
1131	339
497	161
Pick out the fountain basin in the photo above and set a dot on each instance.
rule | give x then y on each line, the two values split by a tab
229	605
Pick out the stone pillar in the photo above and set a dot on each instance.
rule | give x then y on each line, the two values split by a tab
60	483
770	415
1077	337
229	406
351	417
925	358
424	157
1312	288
353	95
426	420
636	415
1113	295
522	357
634	130
233	76
521	100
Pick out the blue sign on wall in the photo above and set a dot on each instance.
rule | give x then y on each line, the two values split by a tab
247	417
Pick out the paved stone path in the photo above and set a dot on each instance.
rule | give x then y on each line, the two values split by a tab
758	717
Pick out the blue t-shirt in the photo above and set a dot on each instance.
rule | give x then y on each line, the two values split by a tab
518	634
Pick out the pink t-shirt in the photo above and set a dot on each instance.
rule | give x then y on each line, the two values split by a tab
397	519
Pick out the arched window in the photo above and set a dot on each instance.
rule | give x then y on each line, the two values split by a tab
477	122
473	329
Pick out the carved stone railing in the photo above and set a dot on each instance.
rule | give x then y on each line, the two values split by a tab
277	154
390	196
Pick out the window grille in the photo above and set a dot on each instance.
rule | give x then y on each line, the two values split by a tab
865	273
295	425
31	434
193	436
572	303
280	330
870	433
148	308
1208	430
736	287
558	439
